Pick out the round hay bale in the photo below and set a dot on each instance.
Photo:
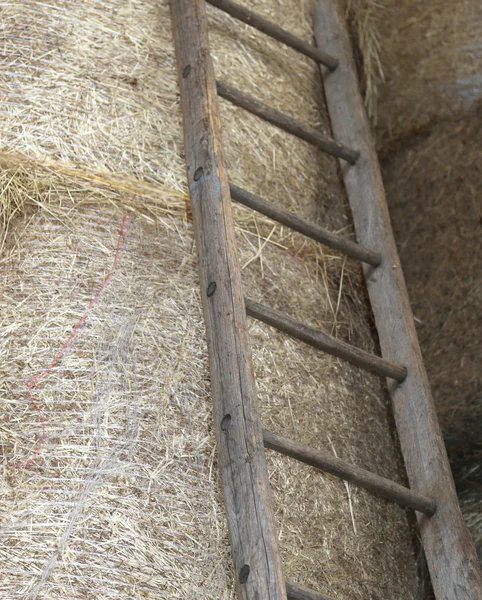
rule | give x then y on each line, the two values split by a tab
431	58
123	498
433	187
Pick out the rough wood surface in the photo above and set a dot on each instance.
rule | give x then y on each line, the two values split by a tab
261	24
286	123
305	227
450	552
340	468
325	342
295	592
241	456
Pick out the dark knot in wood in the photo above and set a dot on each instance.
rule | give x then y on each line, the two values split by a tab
198	173
244	574
226	423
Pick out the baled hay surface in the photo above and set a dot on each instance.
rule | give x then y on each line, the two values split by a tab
364	19
431	59
433	185
92	84
123	500
129	407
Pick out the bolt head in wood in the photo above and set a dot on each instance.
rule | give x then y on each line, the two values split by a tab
226	423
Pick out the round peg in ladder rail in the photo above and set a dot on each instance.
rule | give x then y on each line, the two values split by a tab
325	342
295	592
339	468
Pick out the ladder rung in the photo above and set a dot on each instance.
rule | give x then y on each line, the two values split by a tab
339	468
305	227
295	592
309	134
261	24
325	342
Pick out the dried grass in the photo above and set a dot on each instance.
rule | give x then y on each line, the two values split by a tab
364	20
124	501
431	57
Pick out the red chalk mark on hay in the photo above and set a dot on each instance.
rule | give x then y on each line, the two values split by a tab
35	379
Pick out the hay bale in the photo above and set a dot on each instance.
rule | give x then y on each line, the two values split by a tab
123	500
431	59
433	183
363	18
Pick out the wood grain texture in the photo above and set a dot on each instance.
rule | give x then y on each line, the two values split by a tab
286	123
261	24
295	592
339	468
451	556
325	342
305	227
241	456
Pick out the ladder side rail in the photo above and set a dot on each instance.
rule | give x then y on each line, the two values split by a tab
241	455
451	556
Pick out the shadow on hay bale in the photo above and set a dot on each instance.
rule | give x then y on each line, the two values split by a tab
430	55
434	185
420	67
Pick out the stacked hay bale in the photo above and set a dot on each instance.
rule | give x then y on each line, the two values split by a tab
123	499
428	91
420	62
430	54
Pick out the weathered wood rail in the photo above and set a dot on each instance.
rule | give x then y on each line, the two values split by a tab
241	457
451	556
450	552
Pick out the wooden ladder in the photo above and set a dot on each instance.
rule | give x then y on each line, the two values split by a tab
450	552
